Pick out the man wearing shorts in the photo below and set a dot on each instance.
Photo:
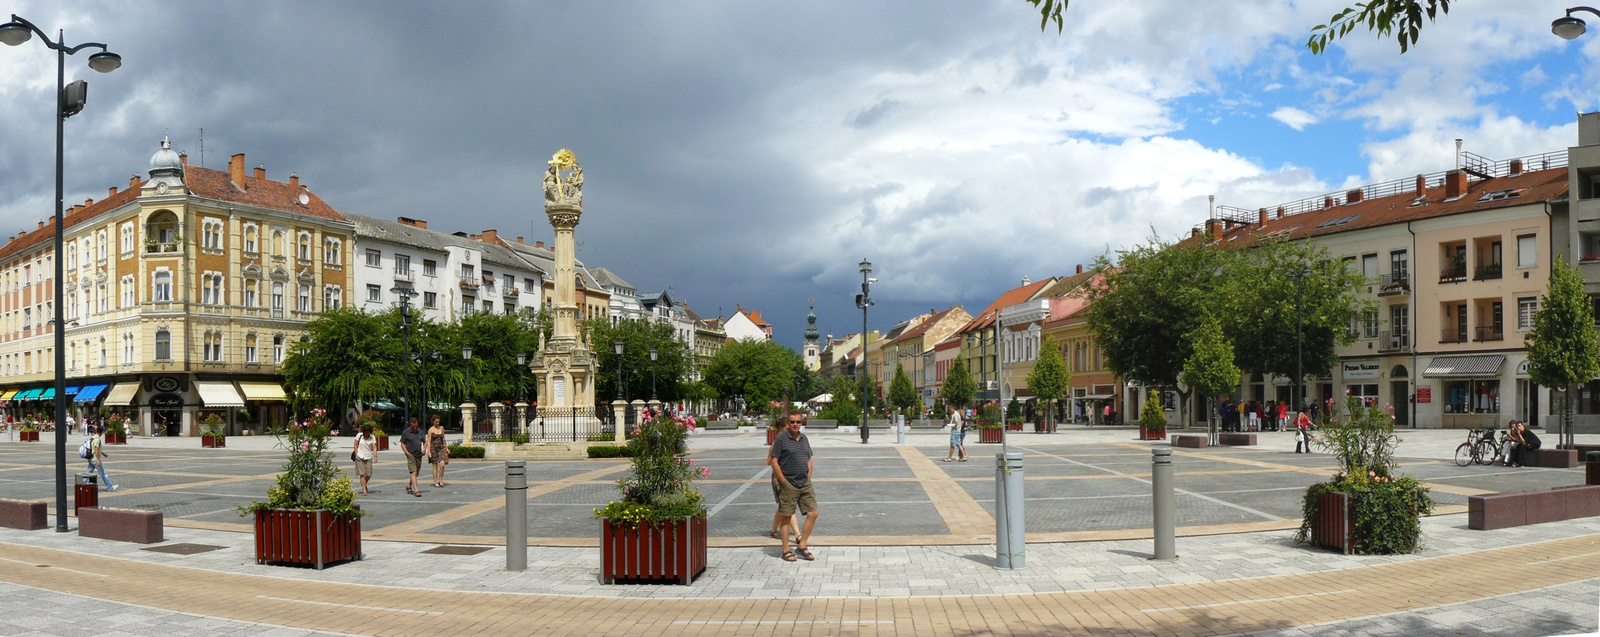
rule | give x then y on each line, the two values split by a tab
958	436
791	462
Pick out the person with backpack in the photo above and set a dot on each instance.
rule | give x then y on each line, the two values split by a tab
93	451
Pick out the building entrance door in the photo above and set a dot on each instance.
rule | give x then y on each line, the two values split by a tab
1401	392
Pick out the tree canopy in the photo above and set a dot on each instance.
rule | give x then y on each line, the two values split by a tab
760	372
1049	377
901	394
674	362
958	386
1401	19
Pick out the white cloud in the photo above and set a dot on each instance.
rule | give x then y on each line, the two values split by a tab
1294	117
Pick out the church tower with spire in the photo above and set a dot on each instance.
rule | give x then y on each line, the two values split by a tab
813	356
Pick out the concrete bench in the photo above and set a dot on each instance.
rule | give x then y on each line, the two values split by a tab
1192	442
28	516
722	424
1236	439
122	525
1551	458
822	423
1503	510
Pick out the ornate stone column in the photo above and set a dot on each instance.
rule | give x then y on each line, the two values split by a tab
620	409
496	410
468	422
655	405
522	418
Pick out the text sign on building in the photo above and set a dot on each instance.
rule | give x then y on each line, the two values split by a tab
1358	371
166	401
1424	394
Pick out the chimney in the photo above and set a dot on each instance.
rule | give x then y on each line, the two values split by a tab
1026	280
261	171
1280	213
111	192
1353	196
490	236
519	239
1327	202
133	182
41	223
1263	214
1422	186
1455	184
183	158
1214	228
236	169
1194	232
88	202
1080	268
294	180
538	244
1516	167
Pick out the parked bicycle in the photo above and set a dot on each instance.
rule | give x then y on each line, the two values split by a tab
1480	447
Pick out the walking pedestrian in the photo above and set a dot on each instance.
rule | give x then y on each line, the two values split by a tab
438	453
791	462
958	436
1283	414
97	460
363	455
411	444
777	525
1302	435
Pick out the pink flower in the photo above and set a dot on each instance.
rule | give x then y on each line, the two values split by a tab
705	471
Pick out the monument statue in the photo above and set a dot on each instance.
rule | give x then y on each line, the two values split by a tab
564	366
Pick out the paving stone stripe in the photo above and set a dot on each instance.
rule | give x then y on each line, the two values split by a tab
962	514
423	523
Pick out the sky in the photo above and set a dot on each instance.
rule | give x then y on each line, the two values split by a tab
753	153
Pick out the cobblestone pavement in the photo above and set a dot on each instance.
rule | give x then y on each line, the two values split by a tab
1564	609
52	613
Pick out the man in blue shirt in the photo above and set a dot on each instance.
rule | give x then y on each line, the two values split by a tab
791	462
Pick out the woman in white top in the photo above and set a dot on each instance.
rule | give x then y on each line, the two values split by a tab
363	455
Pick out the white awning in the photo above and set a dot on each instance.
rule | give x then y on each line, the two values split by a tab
822	398
219	394
1486	365
121	395
1097	397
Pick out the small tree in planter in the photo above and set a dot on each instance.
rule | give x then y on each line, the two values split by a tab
989	424
310	516
211	435
1152	419
657	531
1014	415
116	430
1209	368
1366	508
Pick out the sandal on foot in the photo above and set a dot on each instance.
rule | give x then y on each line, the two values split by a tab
946	459
773	535
804	554
788	556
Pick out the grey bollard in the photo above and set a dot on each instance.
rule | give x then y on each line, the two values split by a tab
1161	499
516	515
900	431
1011	546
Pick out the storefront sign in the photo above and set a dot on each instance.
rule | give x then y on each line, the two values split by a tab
1354	371
1424	394
167	384
166	401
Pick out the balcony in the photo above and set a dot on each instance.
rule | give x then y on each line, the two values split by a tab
1394	342
1452	335
510	292
157	247
1455	274
1490	333
404	275
469	284
1486	272
1394	284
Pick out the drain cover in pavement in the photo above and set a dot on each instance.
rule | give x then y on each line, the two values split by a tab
449	549
184	549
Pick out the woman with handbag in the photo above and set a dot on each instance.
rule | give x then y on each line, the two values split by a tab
363	455
438	452
1302	434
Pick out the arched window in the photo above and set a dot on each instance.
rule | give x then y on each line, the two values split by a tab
277	243
251	234
72	256
163	287
163	345
100	245
305	246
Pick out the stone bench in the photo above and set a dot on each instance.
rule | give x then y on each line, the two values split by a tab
28	516
1504	510
1550	458
1192	442
1236	439
722	424
822	423
122	525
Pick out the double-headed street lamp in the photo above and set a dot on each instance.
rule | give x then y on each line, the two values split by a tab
1568	27
864	301
69	102
1299	338
405	295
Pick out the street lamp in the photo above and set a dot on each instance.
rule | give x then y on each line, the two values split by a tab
1299	337
863	301
69	101
617	347
1568	27
405	295
652	374
466	357
522	396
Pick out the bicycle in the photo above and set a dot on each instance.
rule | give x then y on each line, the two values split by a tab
1479	447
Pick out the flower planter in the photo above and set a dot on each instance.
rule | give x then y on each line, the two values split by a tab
28	436
1152	434
673	551
1044	427
989	435
1014	427
309	538
1335	526
213	442
382	443
772	434
116	439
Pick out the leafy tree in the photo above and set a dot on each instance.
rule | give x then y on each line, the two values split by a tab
758	371
1209	368
1259	302
958	386
844	407
1562	347
674	362
348	358
496	340
1402	18
901	394
1050	377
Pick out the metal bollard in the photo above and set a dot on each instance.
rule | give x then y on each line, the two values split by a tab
1010	543
1161	499
900	433
516	515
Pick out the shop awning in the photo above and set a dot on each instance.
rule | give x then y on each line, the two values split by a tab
48	394
88	394
383	405
1458	366
219	394
27	394
121	395
9	394
1097	397
264	392
72	390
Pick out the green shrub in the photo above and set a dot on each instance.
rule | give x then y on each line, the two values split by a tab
1151	415
1388	507
458	451
662	485
309	479
610	451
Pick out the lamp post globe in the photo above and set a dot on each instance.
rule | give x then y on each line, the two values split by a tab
617	347
1566	27
105	62
652	373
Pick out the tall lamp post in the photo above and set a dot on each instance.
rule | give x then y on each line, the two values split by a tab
652	374
1299	338
69	102
864	301
1566	28
622	396
405	295
466	357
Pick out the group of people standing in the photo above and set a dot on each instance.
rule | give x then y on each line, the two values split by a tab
1253	415
418	446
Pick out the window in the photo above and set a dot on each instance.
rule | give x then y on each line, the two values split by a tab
488	280
374	293
250	286
1398	264
511	308
1369	266
277	244
211	288
1527	306
1370	323
530	285
303	302
127	347
1472	396
212	343
467	272
429	299
211	234
101	299
305	246
374	257
332	249
467	304
277	348
511	283
429	267
163	287
128	288
72	256
402	265
251	233
163	345
488	306
1528	251
127	238
332	297
72	305
277	296
250	349
100	245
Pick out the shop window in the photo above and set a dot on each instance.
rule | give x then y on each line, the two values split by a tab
1472	396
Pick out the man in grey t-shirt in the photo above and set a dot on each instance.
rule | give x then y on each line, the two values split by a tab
791	462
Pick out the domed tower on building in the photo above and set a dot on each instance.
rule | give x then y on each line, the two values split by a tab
813	356
166	170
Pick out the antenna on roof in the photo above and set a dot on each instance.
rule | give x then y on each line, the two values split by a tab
202	148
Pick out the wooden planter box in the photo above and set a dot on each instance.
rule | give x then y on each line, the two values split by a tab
1014	427
28	436
309	538
116	439
382	443
1335	526
989	435
213	442
772	434
1152	434
672	552
1044	427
